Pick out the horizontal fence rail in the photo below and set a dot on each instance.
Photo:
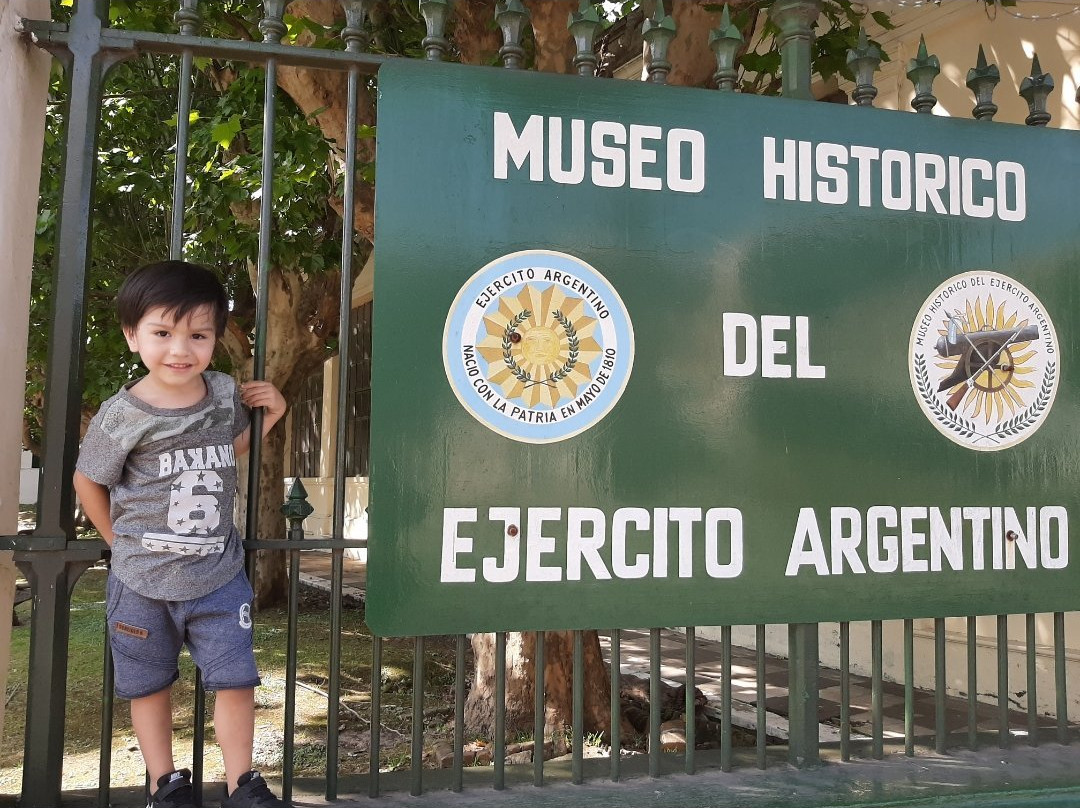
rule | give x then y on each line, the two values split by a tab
763	704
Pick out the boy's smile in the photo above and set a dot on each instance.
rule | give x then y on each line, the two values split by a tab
175	354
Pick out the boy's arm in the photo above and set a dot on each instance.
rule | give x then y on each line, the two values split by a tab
95	502
260	394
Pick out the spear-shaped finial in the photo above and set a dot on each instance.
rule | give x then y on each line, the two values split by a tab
658	31
584	25
511	16
1034	89
725	42
922	70
981	80
864	61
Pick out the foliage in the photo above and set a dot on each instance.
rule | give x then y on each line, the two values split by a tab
135	163
133	195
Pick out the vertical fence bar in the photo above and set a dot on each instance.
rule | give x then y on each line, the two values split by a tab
376	717
761	736
500	711
539	712
909	688
416	762
51	569
654	702
188	20
803	750
353	35
1003	680
845	691
726	740
578	710
105	750
296	534
940	684
690	702
973	684
198	738
273	29
459	713
1059	678
1032	684
616	703
877	730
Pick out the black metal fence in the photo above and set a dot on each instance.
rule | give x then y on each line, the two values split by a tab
53	559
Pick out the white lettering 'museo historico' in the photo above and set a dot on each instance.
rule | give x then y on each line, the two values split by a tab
948	185
574	544
607	154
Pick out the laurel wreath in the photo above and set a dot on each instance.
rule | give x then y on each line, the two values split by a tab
946	417
572	340
520	374
965	428
1020	422
508	357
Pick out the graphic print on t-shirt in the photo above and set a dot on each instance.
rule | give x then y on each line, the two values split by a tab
194	502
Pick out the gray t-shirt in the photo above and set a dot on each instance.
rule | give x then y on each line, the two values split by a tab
171	476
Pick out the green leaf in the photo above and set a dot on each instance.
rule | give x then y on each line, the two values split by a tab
224	132
882	19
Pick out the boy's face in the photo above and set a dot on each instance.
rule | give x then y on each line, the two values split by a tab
175	353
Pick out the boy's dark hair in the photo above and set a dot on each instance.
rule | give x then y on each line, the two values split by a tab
178	286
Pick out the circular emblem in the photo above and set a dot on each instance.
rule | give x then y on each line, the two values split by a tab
984	361
538	346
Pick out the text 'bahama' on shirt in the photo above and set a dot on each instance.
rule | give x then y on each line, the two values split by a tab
171	476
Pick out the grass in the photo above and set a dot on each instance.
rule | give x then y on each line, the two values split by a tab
85	688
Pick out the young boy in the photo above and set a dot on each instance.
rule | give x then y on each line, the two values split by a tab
157	476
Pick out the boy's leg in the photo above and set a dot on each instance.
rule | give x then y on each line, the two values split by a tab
151	718
234	725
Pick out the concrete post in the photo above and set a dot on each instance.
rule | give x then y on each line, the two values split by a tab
24	82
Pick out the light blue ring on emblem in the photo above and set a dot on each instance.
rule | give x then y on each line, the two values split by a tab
454	339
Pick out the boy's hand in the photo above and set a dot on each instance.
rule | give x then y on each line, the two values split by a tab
263	394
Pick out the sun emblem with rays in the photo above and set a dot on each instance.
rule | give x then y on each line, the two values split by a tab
539	345
986	354
984	360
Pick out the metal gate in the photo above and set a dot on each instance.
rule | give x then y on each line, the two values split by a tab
53	560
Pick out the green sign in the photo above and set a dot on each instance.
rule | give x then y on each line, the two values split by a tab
651	356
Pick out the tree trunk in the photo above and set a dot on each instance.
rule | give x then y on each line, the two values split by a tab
295	345
521	685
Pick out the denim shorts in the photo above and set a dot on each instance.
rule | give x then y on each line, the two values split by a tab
146	636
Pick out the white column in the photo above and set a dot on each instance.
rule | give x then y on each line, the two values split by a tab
24	82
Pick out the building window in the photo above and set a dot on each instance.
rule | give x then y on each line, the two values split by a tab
358	417
307	427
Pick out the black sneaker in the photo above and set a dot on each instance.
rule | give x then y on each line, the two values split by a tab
173	791
252	792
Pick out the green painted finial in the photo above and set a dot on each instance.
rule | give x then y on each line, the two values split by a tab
796	20
1034	89
354	34
863	62
981	80
296	509
725	42
271	25
922	70
658	31
435	13
584	24
511	16
187	17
